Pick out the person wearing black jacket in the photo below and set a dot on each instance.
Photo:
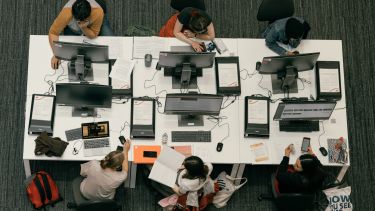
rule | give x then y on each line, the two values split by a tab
306	175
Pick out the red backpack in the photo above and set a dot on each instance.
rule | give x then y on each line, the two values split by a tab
42	190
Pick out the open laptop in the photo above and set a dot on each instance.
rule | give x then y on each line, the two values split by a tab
95	139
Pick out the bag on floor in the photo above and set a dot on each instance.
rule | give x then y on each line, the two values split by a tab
42	190
226	183
339	199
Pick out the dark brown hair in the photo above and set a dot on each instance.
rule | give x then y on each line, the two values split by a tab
195	168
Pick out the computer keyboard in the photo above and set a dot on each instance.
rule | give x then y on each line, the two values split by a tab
299	126
73	134
191	136
96	143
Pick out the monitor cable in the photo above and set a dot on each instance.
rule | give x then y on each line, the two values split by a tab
217	120
248	75
51	83
321	133
120	101
76	149
227	98
154	86
122	128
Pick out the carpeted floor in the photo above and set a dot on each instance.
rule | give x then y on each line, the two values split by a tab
350	21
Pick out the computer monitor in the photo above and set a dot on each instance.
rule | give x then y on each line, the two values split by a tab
84	97
80	57
284	70
185	67
191	107
303	113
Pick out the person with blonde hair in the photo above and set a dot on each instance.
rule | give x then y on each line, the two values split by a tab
102	178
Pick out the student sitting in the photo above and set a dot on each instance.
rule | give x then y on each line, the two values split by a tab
189	23
289	31
102	178
306	176
79	17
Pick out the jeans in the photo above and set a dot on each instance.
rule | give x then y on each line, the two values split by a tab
105	30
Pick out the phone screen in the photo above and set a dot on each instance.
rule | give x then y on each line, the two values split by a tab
150	154
305	144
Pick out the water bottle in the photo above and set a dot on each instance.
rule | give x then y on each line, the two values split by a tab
164	139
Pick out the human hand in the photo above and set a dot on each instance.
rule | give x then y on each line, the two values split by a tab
55	62
288	53
309	150
197	46
287	151
127	145
189	33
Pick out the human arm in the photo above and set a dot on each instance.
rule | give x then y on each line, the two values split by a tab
91	28
210	35
180	35
272	38
125	165
176	189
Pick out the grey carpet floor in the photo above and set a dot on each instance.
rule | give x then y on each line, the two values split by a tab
351	21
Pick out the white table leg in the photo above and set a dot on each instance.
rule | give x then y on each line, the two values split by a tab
132	175
26	165
342	173
237	171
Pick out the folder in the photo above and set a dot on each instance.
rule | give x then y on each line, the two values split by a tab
139	151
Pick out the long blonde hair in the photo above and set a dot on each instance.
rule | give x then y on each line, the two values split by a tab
113	160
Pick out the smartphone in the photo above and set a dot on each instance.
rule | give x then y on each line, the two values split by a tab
120	148
305	144
150	154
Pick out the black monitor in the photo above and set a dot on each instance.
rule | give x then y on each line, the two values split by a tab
297	114
185	67
80	56
191	107
84	97
285	70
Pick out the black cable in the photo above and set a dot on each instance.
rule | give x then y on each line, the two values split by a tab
226	106
122	128
248	75
123	102
149	80
219	119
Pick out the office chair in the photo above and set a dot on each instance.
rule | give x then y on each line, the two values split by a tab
82	204
271	10
289	201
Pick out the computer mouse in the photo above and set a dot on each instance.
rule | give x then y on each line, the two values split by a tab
323	151
122	139
148	60
219	147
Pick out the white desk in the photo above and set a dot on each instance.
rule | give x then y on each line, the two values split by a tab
236	148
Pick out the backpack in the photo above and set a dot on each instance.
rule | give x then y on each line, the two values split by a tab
42	190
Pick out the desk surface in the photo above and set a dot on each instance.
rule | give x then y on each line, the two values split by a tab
236	148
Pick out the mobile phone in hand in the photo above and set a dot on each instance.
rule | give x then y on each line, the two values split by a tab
305	144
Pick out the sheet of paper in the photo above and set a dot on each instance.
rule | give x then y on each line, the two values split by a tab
122	69
329	80
149	45
142	112
257	111
166	166
117	84
259	151
42	109
185	150
228	76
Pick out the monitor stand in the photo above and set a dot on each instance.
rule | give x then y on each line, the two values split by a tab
190	120
84	112
80	70
285	81
184	76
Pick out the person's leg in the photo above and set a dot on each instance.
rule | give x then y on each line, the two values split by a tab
181	4
106	29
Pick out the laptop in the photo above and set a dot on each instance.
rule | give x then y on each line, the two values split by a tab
95	137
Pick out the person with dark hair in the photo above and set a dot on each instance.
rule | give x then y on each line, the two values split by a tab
306	175
102	178
289	31
79	17
189	23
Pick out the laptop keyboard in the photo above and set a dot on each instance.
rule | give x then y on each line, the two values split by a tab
96	143
191	136
73	134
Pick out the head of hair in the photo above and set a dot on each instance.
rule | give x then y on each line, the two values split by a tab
81	10
113	160
195	168
294	28
312	170
198	23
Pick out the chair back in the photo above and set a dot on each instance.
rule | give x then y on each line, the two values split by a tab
107	205
271	10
